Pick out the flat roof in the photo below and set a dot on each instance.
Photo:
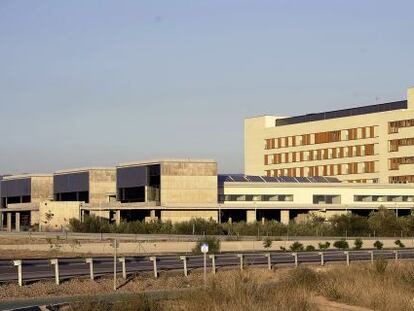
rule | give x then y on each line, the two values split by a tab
158	161
83	169
342	113
25	176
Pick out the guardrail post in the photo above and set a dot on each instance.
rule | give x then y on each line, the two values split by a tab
122	261
396	255
55	262
295	256
269	260
322	258
18	264
372	256
241	261
347	258
213	263
154	260
184	259
90	262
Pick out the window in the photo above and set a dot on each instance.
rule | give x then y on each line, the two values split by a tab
326	199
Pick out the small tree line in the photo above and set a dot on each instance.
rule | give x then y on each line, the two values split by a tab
382	222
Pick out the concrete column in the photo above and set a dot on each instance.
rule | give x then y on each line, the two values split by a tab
152	213
295	256
90	262
241	261
347	258
55	262
184	259
213	263
322	258
118	217
284	217
18	264
250	216
1	221
269	261
154	260
9	222
17	218
122	261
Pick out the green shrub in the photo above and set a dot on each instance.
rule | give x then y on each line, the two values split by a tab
358	243
267	243
310	248
399	244
296	246
213	245
323	246
378	244
341	244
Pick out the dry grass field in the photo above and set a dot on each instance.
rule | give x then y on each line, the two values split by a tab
382	286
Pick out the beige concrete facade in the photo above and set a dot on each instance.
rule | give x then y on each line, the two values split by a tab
371	147
55	216
186	215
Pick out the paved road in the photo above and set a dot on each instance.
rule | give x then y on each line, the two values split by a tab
36	269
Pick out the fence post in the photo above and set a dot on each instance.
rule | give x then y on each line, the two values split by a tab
269	260
184	259
213	263
241	261
122	261
322	258
90	262
18	264
295	256
372	256
154	260
396	255
55	262
347	258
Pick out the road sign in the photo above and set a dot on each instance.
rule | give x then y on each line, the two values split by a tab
204	248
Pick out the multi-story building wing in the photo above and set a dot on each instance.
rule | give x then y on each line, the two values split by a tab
371	144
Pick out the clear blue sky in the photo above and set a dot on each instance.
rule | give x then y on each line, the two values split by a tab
102	82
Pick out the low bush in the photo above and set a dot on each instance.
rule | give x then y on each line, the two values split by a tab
380	265
378	244
399	244
323	246
358	243
310	248
267	243
341	244
296	246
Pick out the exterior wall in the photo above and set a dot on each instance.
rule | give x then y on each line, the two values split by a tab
303	195
55	216
42	188
370	129
101	184
186	215
188	182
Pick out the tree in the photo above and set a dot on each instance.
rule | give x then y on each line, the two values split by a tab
296	246
399	244
325	245
213	245
341	244
384	222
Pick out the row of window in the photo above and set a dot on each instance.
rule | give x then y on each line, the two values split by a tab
401	179
320	138
317	198
384	198
325	170
394	126
320	154
396	143
394	163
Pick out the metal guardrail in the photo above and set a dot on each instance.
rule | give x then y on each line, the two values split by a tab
67	268
66	235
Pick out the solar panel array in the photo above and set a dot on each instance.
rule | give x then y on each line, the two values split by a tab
281	179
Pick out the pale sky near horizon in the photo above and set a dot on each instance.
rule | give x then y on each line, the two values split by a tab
96	83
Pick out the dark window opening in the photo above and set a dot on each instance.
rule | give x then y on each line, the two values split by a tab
73	196
133	194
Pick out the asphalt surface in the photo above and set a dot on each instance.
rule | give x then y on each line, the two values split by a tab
38	269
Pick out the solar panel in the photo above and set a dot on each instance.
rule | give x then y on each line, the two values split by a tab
238	178
254	178
274	179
